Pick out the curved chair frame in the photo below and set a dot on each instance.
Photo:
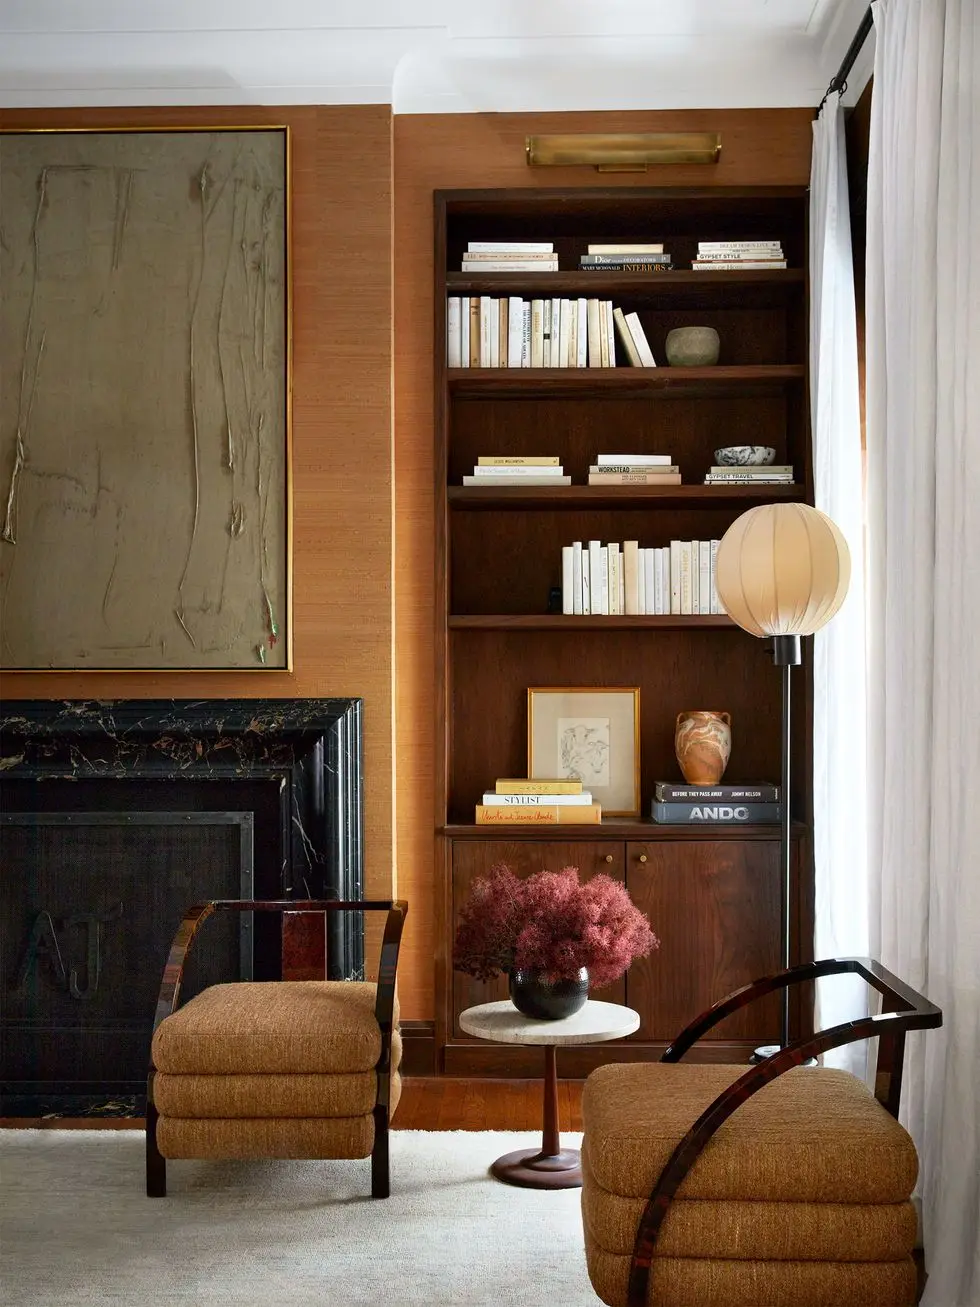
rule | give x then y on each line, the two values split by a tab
905	1010
384	1009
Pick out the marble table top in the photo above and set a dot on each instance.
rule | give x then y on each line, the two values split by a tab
502	1023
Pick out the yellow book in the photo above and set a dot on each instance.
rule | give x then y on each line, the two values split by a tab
539	814
524	785
518	460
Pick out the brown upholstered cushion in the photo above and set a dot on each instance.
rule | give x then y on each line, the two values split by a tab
715	1282
282	1094
813	1135
329	1136
315	1026
852	1232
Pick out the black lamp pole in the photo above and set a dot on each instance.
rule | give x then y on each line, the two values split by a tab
786	654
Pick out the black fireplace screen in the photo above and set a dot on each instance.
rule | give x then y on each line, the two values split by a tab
85	928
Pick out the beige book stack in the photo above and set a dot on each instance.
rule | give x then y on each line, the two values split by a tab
528	802
518	470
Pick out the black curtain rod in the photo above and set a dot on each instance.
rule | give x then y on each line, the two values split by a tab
839	81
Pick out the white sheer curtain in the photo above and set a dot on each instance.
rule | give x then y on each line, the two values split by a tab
923	434
839	691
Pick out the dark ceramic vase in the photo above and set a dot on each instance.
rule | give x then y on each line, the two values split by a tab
535	995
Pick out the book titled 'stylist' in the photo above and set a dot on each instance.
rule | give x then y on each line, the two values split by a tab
712	813
762	792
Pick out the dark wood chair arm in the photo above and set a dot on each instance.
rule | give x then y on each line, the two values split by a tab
384	1005
887	984
915	1012
195	917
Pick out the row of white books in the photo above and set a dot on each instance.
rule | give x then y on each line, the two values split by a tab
483	331
617	579
713	255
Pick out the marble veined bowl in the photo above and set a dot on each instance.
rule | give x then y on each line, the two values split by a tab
692	347
744	455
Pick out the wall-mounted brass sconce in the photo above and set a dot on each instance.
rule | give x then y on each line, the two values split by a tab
622	151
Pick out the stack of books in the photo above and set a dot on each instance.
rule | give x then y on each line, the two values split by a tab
625	258
528	802
716	805
518	470
634	470
739	254
773	474
510	256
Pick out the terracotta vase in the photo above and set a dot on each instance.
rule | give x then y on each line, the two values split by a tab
703	744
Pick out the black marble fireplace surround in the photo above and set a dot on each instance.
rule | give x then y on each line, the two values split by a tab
101	802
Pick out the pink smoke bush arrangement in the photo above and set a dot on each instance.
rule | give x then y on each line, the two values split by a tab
551	922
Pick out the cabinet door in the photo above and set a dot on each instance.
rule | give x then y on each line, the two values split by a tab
714	905
472	859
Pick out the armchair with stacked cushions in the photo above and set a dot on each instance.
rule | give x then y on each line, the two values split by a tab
774	1185
277	1068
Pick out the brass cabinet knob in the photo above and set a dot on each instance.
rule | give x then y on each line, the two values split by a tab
609	857
643	857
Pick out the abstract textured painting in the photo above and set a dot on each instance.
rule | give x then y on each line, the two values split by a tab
144	399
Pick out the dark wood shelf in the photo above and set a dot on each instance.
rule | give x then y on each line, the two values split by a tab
622	828
581	622
749	285
622	382
474	498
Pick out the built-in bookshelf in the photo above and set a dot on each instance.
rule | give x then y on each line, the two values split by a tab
712	893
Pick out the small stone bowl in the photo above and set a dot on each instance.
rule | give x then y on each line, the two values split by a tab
692	347
744	456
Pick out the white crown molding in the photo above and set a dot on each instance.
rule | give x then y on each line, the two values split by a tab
433	56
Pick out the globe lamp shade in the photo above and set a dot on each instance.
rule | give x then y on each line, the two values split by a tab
782	569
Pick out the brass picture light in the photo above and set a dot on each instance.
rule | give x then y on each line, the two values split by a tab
622	151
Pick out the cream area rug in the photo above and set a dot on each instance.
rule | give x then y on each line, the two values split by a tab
76	1228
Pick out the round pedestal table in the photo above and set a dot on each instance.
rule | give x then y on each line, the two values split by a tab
551	1166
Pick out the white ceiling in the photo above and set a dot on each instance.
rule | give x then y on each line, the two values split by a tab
428	56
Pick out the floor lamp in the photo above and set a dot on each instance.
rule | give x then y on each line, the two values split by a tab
782	572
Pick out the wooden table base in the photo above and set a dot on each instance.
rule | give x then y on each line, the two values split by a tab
532	1169
550	1166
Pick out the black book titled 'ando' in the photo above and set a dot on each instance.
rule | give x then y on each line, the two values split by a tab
760	792
706	812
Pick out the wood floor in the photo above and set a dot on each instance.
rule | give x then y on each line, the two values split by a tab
427	1103
452	1103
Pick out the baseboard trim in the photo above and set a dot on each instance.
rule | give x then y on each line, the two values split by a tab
478	1059
418	1048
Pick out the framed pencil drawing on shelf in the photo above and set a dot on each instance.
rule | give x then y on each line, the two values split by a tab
591	734
145	345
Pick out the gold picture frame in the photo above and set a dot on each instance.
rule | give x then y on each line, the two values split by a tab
591	733
146	404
